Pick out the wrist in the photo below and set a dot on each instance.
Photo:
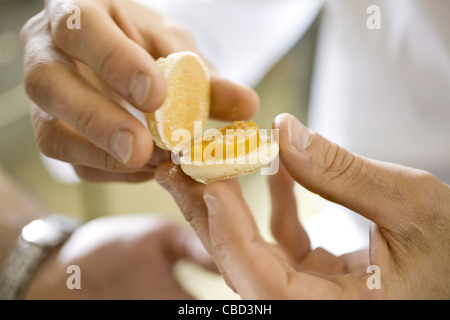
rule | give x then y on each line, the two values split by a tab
45	281
10	228
18	208
35	242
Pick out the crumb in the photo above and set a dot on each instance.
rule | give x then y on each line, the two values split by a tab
173	171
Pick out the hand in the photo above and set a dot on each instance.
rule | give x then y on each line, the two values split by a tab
120	257
409	239
80	79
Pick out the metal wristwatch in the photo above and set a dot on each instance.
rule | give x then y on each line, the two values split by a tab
32	246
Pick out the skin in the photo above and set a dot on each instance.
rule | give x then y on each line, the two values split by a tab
120	257
409	237
80	79
15	199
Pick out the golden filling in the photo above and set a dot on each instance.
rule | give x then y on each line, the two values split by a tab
230	142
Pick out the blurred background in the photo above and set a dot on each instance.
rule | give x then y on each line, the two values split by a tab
284	89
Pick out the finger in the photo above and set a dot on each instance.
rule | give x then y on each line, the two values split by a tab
237	246
285	224
113	55
53	84
96	175
59	141
384	193
231	101
188	194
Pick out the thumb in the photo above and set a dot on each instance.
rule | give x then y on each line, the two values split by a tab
382	192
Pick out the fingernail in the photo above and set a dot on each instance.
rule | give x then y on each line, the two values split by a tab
211	203
140	88
299	135
122	145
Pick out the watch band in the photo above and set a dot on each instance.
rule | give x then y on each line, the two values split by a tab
32	246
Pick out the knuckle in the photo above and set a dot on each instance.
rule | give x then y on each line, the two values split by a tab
38	87
177	32
176	29
412	191
86	118
32	26
62	32
109	61
24	32
86	121
425	179
424	190
192	218
33	81
42	140
422	199
41	63
110	163
339	163
49	141
29	85
222	250
39	83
